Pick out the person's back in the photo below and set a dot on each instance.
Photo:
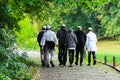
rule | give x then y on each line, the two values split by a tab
81	36
62	55
71	39
91	39
61	35
71	43
91	46
49	40
49	35
39	37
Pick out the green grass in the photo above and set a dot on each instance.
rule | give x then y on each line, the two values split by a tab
109	49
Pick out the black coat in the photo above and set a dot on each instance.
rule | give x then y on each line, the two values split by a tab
62	36
39	37
81	37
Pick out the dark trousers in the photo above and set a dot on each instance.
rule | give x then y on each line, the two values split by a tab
89	57
81	51
42	56
62	55
71	56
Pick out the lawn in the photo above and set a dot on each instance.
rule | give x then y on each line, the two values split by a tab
109	49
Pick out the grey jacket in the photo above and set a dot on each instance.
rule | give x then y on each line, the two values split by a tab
71	39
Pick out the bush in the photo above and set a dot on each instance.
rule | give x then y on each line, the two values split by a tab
4	77
14	66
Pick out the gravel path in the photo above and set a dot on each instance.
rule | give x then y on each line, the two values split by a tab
97	72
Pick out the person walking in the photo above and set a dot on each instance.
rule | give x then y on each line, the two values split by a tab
81	37
62	55
42	52
48	42
71	43
91	46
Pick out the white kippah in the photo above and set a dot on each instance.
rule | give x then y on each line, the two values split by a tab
48	27
89	28
79	27
63	25
44	27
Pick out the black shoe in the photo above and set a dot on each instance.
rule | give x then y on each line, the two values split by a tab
47	65
94	63
76	63
60	64
52	64
64	64
43	64
88	64
70	65
81	65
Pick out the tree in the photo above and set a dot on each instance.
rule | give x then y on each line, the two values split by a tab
110	17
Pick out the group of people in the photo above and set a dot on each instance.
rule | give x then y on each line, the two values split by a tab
66	40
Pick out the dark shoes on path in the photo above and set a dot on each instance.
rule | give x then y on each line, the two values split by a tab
88	64
43	64
70	65
76	63
81	64
62	64
94	63
52	64
48	65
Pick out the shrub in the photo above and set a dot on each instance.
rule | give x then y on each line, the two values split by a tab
14	66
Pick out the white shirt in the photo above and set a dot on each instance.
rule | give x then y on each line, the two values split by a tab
91	41
49	36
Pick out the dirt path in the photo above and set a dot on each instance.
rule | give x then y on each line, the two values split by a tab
97	72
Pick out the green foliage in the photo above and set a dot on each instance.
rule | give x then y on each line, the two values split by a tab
110	17
14	66
4	77
26	34
7	39
102	15
74	13
7	23
17	19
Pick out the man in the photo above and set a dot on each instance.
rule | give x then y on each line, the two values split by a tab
91	46
62	55
39	40
48	42
81	37
71	43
